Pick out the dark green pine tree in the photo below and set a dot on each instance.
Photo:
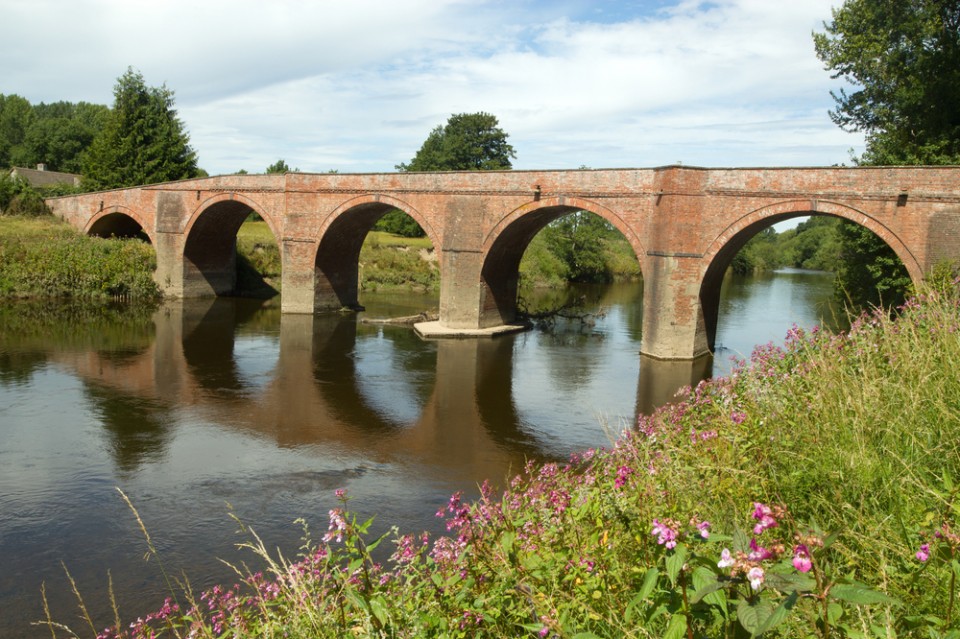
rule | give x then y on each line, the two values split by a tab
143	141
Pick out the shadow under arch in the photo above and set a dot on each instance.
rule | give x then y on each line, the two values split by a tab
337	263
504	246
210	247
725	247
117	221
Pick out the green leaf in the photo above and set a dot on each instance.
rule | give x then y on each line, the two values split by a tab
506	543
649	583
586	635
753	615
675	561
860	595
834	612
785	582
677	628
779	615
378	607
709	589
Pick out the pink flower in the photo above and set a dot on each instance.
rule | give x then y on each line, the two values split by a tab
801	558
726	559
757	552
755	576
924	553
666	536
764	515
704	528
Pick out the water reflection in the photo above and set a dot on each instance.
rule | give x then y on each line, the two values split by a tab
208	402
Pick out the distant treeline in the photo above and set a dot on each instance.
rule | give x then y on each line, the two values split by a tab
56	134
814	244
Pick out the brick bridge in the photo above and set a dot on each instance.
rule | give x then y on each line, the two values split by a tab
685	225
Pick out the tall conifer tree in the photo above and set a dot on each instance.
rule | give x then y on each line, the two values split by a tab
143	142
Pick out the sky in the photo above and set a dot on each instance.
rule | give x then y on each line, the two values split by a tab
356	86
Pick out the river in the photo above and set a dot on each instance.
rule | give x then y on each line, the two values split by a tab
210	410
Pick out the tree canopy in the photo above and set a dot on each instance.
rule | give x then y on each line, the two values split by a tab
143	140
903	58
467	142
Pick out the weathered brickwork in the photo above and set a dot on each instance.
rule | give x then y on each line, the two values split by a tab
684	223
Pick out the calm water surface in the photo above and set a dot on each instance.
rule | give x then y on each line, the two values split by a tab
226	407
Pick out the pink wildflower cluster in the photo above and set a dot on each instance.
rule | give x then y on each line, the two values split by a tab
943	534
750	564
668	531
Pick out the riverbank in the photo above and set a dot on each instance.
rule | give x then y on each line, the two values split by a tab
825	469
43	257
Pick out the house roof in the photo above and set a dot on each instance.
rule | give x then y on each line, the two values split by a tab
42	177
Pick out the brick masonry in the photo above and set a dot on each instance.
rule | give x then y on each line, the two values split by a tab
684	223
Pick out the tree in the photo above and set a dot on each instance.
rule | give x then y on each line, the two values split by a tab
467	142
280	166
578	241
16	115
903	57
869	272
143	140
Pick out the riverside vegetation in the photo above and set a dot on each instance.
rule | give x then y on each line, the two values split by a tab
812	493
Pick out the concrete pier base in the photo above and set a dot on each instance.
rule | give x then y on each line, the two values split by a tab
434	330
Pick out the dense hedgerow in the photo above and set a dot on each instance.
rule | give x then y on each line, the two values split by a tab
45	258
810	494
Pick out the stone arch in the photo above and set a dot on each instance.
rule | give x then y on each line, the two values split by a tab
727	244
117	221
342	232
210	243
505	244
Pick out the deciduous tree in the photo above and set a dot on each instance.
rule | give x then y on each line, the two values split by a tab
467	142
903	59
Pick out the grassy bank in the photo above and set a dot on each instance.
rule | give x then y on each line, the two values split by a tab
810	494
42	257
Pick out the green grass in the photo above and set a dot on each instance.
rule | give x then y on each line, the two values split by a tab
42	257
844	451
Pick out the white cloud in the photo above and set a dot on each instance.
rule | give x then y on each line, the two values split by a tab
357	86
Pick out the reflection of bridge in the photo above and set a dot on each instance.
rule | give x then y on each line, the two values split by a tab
685	225
466	420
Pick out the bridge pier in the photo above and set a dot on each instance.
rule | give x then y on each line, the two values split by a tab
297	276
673	319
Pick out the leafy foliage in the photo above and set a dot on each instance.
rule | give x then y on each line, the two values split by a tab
46	258
56	134
903	57
467	142
280	166
142	142
869	273
399	223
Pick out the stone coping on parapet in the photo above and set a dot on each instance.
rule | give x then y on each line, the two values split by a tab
433	330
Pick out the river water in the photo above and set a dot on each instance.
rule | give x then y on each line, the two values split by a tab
210	410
